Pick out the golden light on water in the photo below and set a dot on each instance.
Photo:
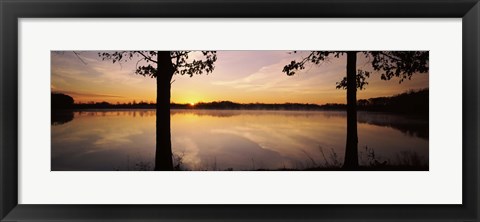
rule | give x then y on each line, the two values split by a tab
223	139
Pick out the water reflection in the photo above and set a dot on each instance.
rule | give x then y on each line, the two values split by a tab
61	117
232	140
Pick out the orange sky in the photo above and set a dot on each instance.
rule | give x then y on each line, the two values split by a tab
239	76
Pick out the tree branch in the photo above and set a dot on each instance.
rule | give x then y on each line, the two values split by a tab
78	56
146	57
390	57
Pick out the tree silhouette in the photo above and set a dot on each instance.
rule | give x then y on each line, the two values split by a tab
61	108
61	101
162	65
400	64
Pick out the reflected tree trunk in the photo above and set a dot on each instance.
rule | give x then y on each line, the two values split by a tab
351	149
163	152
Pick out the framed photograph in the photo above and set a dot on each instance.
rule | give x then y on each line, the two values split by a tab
225	110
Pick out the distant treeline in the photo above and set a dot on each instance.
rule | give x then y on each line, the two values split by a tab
412	102
248	106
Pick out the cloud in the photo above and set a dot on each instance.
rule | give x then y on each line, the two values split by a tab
271	79
71	93
69	67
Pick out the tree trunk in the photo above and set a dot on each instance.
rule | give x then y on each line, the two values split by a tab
163	154
351	150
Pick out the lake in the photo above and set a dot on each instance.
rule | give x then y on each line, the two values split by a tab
107	140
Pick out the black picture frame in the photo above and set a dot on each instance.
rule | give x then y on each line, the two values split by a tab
12	10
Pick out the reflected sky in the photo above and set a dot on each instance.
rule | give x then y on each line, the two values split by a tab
231	140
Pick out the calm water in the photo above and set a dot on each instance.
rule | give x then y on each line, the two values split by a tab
231	140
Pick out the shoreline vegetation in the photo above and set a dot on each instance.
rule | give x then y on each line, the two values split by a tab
329	161
413	103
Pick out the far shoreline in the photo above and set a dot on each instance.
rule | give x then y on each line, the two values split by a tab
412	103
